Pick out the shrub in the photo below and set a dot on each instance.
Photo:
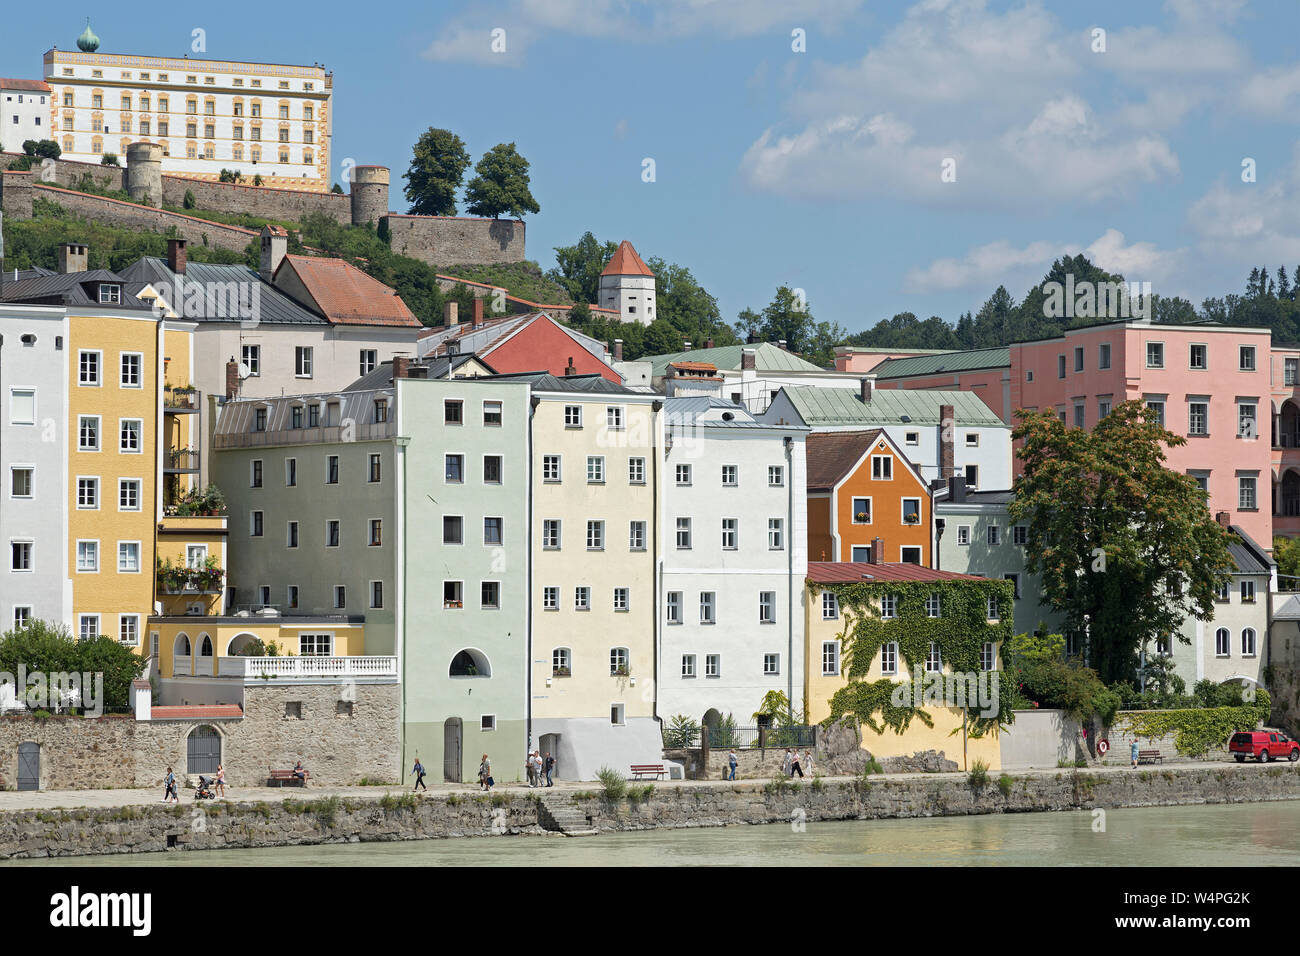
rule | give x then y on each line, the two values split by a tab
1004	784
817	785
681	731
979	774
109	159
190	202
615	783
872	766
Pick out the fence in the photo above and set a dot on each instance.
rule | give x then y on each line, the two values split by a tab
748	738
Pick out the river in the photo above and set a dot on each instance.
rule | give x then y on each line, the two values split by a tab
1248	834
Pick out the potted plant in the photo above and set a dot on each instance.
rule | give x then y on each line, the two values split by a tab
860	516
911	518
622	670
561	672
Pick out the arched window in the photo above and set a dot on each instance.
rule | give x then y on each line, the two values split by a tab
1248	642
205	646
470	663
1222	642
181	647
561	662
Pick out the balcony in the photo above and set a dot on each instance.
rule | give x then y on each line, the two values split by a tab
320	434
182	461
308	668
178	579
180	401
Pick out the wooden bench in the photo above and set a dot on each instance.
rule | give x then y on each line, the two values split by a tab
1150	756
640	770
285	778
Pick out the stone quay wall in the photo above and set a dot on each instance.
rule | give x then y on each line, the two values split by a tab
142	829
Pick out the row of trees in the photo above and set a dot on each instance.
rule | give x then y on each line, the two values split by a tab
500	185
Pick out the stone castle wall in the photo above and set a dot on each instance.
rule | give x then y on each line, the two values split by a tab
447	241
285	204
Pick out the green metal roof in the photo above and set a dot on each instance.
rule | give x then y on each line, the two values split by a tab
841	406
767	358
945	362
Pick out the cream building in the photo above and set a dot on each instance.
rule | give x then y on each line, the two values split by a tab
266	119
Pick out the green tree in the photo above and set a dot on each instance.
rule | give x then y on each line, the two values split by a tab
109	159
1286	552
788	317
437	168
50	648
500	185
1126	548
578	267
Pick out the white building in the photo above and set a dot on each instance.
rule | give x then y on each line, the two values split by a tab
734	542
26	113
753	374
34	579
628	285
265	119
976	446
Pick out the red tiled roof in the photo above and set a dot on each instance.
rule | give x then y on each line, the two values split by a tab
347	296
196	712
694	366
33	86
831	454
625	262
848	572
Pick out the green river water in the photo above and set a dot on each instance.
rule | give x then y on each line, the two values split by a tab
1250	834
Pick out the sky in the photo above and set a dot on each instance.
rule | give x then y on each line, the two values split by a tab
882	157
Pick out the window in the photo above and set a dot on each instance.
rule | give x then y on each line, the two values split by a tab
1246	357
332	470
376	532
259	420
729	534
1248	642
595	469
621	599
582	599
1222	642
595	536
636	536
1196	356
88	433
255	524
775	534
616	714
771	665
22	406
776	476
1103	408
1157	405
88	493
889	606
1079	415
550	533
932	606
994	534
1078	358
882	467
88	556
381	411
290	472
889	659
550	468
1246	500
1247	592
614	417
1290	371
292	532
490	595
110	293
1155	355
492	469
1015	584
862	511
830	658
1020	535
1060	366
132	362
683	475
88	627
255	473
455	468
992	611
973	475
708	601
88	368
302	358
830	606
986	656
453	412
673	607
766	607
933	659
730	477
376	469
572	416
683	534
452	595
860	553
910	555
20	556
636	471
313	416
1247	426
492	413
550	599
1198	416
911	511
912	438
712	665
493	531
377	594
1103	355
963	534
972	439
128	492
561	662
332	532
688	665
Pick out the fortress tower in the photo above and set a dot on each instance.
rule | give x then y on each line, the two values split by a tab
144	173
369	194
627	284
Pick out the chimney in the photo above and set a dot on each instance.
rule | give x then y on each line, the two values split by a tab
748	360
275	244
450	315
73	257
686	345
570	369
753	339
618	350
865	388
232	379
478	311
947	457
957	489
1224	518
877	551
401	367
708	343
780	343
176	256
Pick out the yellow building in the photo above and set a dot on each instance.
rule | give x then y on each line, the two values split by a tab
951	626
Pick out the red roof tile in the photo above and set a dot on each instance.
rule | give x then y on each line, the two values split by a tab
196	712
831	454
347	296
32	86
625	262
848	572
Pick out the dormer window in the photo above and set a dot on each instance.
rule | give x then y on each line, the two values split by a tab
110	293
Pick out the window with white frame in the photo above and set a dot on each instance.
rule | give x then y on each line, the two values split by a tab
963	534
683	534
87	556
683	473
830	606
88	367
561	662
688	665
621	599
767	607
986	656
708	601
1247	499
636	471
932	606
595	469
775	534
776	476
1155	355
889	606
830	658
636	536
489	595
771	665
87	493
128	629
993	610
20	555
712	665
1020	534
618	661
88	627
582	598
614	419
1247	591
315	645
862	511
492	414
595	536
1248	642
673	607
1222	642
889	659
302	361
1246	356
88	433
994	534
550	468
128	557
132	364
933	659
1247	422
730	534
616	714
730	476
572	416
129	441
550	533
882	467
550	599
20	481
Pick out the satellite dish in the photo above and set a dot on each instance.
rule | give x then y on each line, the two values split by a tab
244	371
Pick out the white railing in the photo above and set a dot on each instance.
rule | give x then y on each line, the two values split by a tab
181	665
289	668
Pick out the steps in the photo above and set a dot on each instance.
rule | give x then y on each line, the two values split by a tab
558	815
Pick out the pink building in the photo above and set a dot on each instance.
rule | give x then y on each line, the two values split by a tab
852	358
1212	384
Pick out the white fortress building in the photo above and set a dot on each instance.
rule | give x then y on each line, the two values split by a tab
628	285
261	119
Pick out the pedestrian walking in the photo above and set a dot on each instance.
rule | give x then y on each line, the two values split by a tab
787	763
808	762
732	763
550	769
418	770
221	781
485	773
794	765
1133	753
169	784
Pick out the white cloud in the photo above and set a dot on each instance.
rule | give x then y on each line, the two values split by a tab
1250	222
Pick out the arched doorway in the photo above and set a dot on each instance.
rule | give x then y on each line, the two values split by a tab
203	750
29	766
240	643
1288	425
181	659
451	750
470	663
710	724
550	744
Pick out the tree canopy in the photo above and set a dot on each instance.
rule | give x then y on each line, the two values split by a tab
500	185
438	165
789	317
1126	548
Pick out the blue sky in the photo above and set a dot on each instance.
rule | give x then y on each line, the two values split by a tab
818	169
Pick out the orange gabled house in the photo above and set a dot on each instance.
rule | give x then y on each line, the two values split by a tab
864	492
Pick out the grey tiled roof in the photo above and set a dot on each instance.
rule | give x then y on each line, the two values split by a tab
382	375
70	288
546	382
276	308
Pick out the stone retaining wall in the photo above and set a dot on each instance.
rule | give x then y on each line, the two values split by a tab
269	203
141	829
450	241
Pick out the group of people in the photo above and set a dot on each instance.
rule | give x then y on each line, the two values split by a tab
791	765
539	765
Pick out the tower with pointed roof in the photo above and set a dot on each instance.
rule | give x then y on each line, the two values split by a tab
628	285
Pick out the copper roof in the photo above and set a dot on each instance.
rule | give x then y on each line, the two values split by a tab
832	454
347	296
850	572
625	262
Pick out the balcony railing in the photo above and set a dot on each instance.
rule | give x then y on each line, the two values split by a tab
184	461
321	434
180	401
306	668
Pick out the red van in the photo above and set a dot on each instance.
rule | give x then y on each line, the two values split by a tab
1266	745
